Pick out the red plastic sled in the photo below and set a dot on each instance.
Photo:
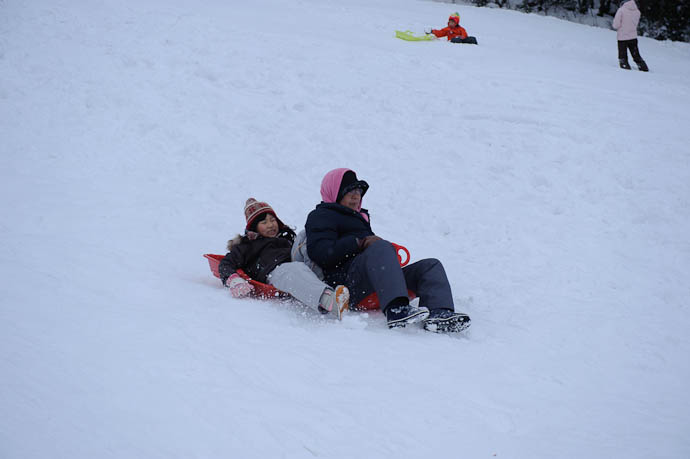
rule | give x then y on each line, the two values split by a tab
262	290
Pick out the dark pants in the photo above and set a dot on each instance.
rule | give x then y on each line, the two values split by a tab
624	46
468	40
377	270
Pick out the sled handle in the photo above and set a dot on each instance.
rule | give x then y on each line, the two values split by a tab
399	248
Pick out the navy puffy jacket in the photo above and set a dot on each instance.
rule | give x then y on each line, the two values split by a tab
333	231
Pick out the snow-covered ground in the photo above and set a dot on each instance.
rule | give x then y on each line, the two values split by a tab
554	186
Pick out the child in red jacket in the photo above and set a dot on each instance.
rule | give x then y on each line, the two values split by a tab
454	32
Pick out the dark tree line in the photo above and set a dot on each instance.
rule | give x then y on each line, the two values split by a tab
666	19
661	19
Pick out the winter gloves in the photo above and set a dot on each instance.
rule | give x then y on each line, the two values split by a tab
239	288
366	242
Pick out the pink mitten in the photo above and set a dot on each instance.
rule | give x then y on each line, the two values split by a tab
239	288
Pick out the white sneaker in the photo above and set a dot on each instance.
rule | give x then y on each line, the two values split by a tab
335	301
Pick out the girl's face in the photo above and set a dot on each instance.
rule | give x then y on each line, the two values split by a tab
268	227
352	199
452	23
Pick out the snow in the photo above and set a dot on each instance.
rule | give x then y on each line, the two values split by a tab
554	186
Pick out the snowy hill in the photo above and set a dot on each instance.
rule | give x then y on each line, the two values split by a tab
554	186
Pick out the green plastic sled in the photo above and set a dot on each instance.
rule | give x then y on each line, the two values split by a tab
408	36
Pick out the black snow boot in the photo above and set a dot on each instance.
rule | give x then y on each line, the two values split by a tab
642	65
446	321
401	315
624	64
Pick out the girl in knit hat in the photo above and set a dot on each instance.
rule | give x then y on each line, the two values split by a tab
454	32
263	253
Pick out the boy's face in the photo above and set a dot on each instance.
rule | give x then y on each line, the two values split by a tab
352	199
268	227
452	23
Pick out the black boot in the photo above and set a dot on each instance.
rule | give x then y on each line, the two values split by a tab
446	321
399	316
642	65
624	64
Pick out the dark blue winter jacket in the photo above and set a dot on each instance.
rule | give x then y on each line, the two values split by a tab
333	234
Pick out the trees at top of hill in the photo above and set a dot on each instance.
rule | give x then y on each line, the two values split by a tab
661	19
665	19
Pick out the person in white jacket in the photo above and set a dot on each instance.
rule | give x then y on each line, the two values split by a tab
625	22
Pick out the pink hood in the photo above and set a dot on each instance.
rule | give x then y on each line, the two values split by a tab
626	20
330	185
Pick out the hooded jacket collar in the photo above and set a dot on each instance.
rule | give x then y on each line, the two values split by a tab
630	5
